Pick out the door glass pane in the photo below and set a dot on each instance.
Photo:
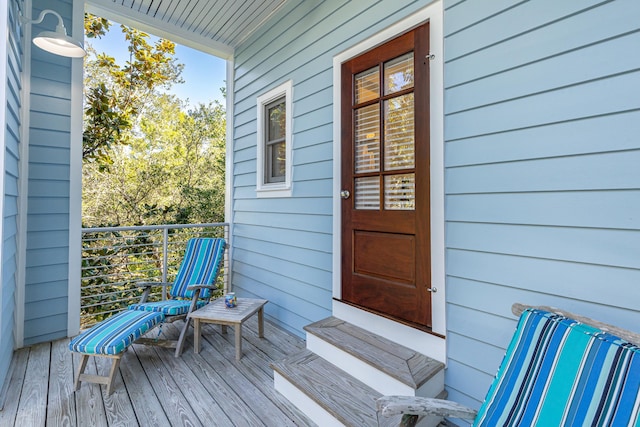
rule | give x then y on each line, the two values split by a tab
399	133
400	192
367	136
367	85
398	74
367	191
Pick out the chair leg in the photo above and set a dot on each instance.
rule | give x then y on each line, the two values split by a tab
112	375
81	368
183	336
98	379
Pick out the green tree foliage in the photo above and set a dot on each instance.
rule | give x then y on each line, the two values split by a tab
148	159
116	94
171	171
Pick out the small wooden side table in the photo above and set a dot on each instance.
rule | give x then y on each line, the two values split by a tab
218	313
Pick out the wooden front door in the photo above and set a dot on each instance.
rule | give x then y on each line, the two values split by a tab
385	179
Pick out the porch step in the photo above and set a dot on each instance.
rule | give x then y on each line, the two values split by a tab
330	396
383	365
344	369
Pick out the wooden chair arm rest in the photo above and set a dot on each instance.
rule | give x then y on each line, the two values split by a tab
194	287
397	405
151	284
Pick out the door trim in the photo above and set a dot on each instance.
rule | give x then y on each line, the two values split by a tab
433	14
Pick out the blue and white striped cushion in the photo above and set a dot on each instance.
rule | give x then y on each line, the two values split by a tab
115	334
170	307
558	372
200	266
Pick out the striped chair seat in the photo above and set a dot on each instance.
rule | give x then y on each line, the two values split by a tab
116	333
559	372
168	307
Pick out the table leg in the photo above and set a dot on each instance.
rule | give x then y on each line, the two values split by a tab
196	335
238	329
261	322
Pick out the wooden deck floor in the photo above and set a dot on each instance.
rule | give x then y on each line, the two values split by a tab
155	389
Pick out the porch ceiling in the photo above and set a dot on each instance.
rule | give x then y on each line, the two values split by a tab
213	26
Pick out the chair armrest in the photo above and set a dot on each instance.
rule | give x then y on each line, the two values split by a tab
147	289
151	284
397	405
194	287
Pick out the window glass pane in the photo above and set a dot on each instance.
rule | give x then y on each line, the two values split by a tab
367	85
367	136
398	74
399	133
276	119
400	192
277	160
367	191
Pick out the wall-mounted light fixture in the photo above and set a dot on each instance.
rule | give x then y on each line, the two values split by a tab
56	42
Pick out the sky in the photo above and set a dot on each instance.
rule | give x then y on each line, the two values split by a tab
203	74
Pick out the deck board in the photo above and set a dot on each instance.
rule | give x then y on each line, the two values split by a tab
61	408
14	390
32	409
152	388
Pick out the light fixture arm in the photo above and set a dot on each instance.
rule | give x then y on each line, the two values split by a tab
57	42
41	18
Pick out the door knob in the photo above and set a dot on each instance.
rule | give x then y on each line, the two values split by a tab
345	194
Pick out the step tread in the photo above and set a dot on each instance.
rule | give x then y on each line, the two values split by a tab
350	401
406	365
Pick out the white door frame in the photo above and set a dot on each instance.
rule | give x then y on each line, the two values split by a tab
434	346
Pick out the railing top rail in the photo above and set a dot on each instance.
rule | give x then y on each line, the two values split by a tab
154	227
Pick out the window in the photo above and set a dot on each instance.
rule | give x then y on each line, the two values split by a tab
274	161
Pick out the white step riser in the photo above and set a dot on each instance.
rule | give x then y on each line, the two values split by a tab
310	408
363	372
433	387
318	414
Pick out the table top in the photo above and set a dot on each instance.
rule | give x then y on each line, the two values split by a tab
218	311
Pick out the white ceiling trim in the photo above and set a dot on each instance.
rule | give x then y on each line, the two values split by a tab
216	27
143	22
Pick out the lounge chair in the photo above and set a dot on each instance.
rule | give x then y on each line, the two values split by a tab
560	369
192	289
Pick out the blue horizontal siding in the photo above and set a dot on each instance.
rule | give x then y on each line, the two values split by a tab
299	238
587	209
597	246
47	138
593	171
541	178
47	328
514	49
594	98
582	136
47	275
10	194
597	283
584	68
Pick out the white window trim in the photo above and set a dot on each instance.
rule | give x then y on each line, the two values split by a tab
276	189
428	344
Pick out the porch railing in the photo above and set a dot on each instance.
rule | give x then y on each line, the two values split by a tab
115	258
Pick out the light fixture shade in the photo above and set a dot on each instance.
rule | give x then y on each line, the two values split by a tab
59	43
